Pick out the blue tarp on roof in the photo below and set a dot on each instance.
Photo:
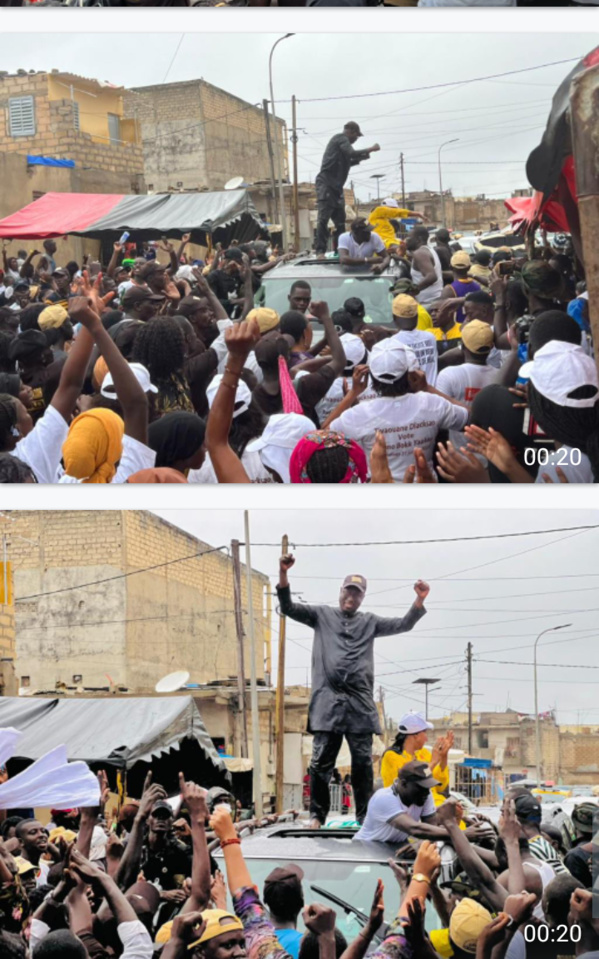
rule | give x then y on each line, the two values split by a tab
48	161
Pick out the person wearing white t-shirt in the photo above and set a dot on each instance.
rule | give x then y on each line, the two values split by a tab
362	247
408	412
465	381
424	344
356	354
406	808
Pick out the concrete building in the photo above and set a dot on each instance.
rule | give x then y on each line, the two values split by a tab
570	754
62	116
196	136
126	629
462	214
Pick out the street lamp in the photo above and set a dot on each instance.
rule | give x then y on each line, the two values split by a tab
426	682
277	144
447	142
552	629
378	177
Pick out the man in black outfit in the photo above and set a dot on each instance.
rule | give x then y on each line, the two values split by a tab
342	701
337	161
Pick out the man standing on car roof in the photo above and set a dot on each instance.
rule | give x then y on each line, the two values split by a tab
342	701
337	161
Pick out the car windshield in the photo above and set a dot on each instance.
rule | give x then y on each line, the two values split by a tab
354	882
374	291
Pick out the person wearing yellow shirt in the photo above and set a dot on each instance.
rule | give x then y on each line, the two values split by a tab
425	320
381	216
409	744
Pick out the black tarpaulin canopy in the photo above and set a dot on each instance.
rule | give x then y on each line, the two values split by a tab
103	217
119	732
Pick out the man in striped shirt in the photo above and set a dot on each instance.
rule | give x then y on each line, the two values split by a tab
528	812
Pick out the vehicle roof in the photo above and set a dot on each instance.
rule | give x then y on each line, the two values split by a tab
303	267
287	843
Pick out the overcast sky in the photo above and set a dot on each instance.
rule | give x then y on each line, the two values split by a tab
499	594
497	121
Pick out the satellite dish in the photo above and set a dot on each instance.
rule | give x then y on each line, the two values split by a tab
234	183
172	682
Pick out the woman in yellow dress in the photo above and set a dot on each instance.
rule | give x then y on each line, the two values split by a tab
381	216
409	744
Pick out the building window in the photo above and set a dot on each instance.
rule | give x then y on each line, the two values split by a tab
21	116
483	739
38	194
75	106
114	128
25	681
77	678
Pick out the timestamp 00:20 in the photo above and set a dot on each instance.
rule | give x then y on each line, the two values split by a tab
533	933
565	456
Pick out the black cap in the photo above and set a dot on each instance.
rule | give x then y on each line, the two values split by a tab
162	804
462	885
352	125
234	254
139	294
289	875
418	772
150	268
528	808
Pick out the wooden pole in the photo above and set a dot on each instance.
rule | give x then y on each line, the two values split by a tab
280	701
295	185
584	125
240	651
469	670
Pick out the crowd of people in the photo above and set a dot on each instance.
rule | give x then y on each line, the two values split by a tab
143	371
141	881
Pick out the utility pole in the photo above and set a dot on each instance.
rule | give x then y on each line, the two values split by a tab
280	701
296	222
469	665
254	688
351	183
382	702
403	182
240	651
271	159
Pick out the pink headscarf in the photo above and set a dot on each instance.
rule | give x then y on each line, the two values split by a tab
289	397
322	440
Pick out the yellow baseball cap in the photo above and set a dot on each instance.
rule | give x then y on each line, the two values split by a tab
218	921
405	306
24	865
267	319
52	317
477	336
468	920
461	260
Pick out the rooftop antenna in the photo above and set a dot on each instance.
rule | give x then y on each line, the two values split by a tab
172	682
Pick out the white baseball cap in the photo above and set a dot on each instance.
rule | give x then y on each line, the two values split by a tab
390	360
141	375
281	435
558	369
243	396
391	202
413	723
354	349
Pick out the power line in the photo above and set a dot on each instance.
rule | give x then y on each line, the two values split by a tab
435	86
513	662
449	539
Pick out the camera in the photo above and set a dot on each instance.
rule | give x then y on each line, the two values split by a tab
522	327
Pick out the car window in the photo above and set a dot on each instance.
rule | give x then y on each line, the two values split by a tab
354	882
375	291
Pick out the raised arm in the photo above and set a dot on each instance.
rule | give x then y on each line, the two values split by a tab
194	797
296	611
129	392
321	310
240	340
474	866
131	860
358	948
115	259
388	627
204	289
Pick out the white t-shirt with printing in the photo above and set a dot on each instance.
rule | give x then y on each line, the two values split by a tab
463	383
406	422
424	346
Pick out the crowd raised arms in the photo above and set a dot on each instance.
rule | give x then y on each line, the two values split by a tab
479	369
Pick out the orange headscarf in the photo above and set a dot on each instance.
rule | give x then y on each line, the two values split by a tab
99	373
94	446
160	474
